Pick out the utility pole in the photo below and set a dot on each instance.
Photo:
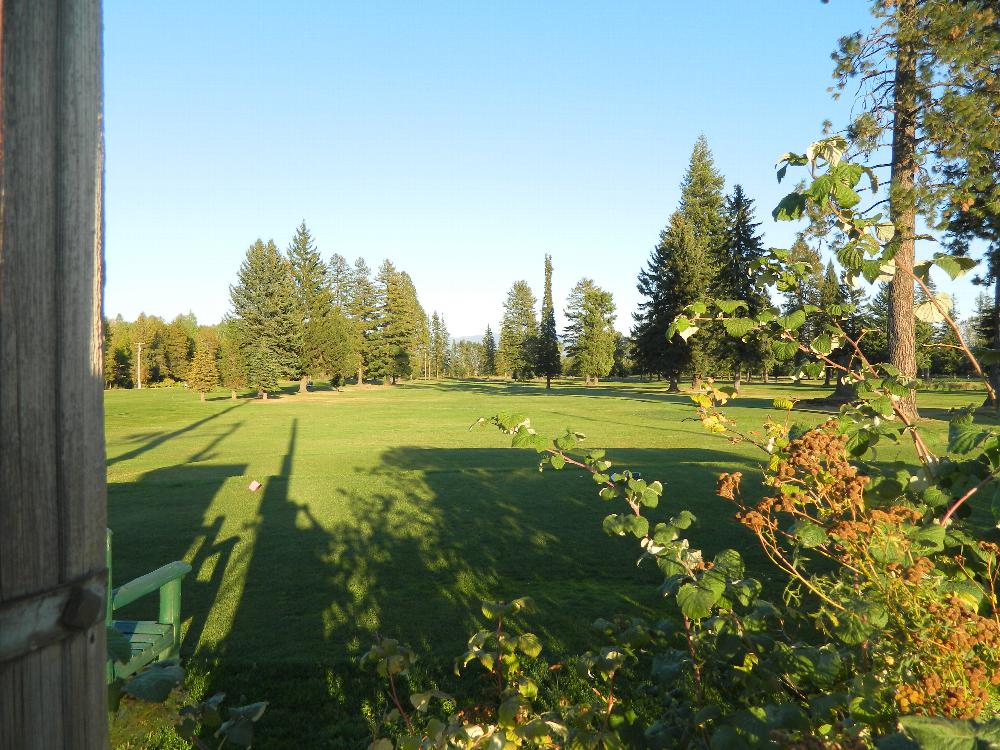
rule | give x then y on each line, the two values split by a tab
138	366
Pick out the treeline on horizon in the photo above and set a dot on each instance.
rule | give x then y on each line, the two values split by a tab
295	316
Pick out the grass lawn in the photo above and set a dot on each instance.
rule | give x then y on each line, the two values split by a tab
380	513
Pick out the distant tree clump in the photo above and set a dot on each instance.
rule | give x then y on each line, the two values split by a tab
518	334
590	333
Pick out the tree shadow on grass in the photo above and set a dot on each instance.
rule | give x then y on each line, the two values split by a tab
283	598
154	439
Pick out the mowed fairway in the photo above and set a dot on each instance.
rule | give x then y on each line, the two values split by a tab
381	513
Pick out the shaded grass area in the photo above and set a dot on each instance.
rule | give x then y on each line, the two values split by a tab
381	514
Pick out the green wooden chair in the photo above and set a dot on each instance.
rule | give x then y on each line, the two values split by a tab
150	641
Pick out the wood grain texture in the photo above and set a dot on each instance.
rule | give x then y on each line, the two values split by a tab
52	467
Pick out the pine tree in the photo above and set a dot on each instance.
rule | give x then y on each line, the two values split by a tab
267	319
548	362
339	280
683	269
742	247
439	344
489	353
204	375
929	78
362	312
590	333
314	305
400	327
703	206
515	355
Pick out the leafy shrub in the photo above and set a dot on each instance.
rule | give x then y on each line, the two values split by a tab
888	627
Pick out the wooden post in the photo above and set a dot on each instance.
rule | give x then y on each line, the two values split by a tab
52	465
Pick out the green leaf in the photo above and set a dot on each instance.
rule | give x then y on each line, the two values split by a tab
939	733
954	265
885	232
738	327
119	649
785	404
791	208
697	599
729	306
792	321
529	644
929	312
809	534
784	350
823	344
155	683
683	520
729	563
963	435
557	460
637	526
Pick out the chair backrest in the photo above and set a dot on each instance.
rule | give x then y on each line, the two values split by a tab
107	564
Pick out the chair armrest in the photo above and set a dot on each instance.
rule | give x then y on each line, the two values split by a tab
148	583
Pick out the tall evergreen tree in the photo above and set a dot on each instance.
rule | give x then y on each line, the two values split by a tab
314	305
401	325
267	318
929	73
548	362
339	278
118	354
655	312
518	334
362	306
703	206
742	247
683	269
489	353
590	333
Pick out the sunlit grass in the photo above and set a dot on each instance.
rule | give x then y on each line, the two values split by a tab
380	513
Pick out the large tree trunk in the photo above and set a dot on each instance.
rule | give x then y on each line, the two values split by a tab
674	386
548	381
764	375
361	375
696	382
304	384
202	394
232	395
736	379
53	581
902	212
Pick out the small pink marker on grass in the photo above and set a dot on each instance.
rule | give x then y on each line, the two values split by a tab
254	485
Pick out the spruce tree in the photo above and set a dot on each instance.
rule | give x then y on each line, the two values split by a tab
314	305
267	318
489	353
204	374
362	312
339	279
518	334
929	74
118	354
401	326
548	362
742	246
654	313
703	206
590	333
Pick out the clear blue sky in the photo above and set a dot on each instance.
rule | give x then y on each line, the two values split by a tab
463	140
